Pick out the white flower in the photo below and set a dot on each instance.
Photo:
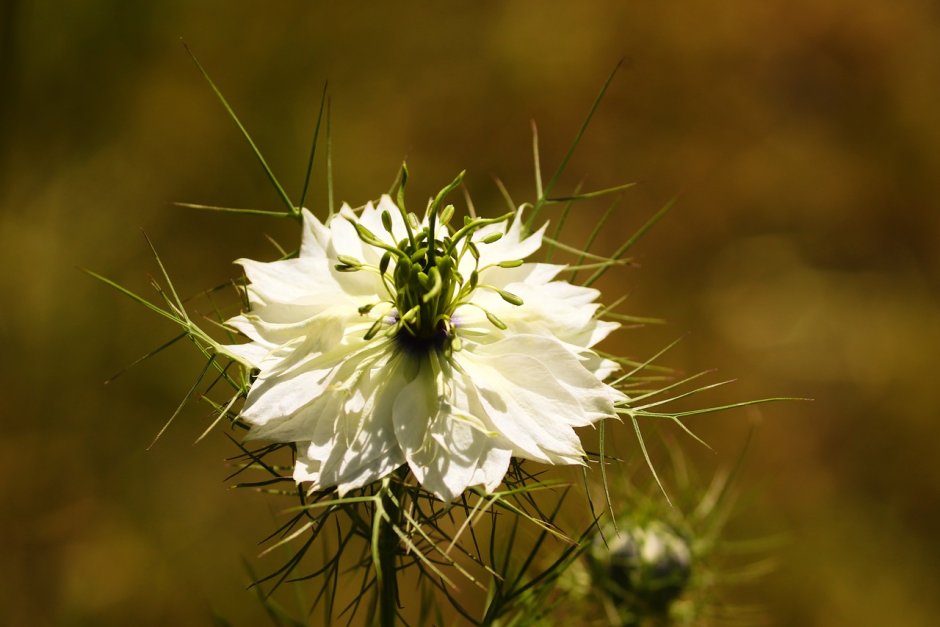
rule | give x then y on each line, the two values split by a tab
374	348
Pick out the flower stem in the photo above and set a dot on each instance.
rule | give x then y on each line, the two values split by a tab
388	554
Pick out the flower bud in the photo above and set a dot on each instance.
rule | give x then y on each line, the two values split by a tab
644	568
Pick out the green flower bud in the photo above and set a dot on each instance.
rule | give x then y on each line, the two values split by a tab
643	568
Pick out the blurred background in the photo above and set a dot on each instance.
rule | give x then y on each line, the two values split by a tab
801	259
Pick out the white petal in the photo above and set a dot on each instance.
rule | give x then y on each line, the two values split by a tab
343	237
316	236
251	354
365	395
413	409
278	398
529	273
323	330
602	368
446	444
595	398
492	467
292	382
300	425
370	471
525	402
362	439
511	246
600	330
285	281
371	218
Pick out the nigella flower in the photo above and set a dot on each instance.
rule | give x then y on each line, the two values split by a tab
392	341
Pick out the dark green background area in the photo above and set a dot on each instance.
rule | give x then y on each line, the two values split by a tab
802	257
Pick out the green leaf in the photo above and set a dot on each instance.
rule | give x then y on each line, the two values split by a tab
248	211
292	210
313	146
646	456
329	156
577	140
633	239
185	400
588	195
146	356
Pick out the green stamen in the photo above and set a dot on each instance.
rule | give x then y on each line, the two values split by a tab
424	286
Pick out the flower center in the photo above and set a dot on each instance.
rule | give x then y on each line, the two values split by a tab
425	287
440	340
425	280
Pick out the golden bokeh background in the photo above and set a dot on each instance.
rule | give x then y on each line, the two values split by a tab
802	257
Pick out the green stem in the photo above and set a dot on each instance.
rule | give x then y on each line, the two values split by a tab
388	555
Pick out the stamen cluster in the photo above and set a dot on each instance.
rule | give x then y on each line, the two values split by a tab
421	273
